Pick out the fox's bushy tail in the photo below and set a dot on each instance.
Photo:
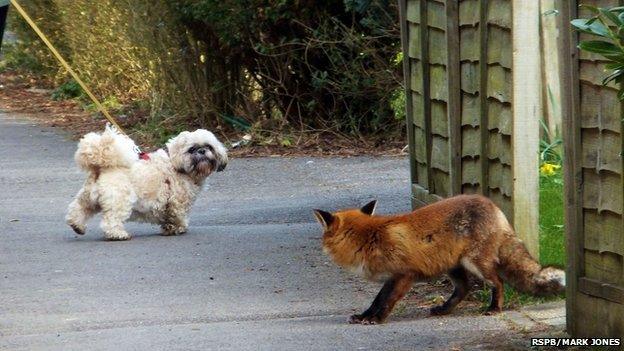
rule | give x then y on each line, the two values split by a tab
521	271
108	149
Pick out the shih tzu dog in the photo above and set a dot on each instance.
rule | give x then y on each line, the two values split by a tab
159	187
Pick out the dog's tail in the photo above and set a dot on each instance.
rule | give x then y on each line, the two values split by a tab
109	149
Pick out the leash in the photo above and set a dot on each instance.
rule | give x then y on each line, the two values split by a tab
64	63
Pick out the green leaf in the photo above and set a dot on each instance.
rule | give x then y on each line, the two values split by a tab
611	16
591	8
236	122
600	47
614	65
615	75
591	27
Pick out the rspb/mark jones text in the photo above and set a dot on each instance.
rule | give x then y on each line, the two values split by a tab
575	342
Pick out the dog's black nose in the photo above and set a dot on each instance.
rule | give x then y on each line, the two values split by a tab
202	151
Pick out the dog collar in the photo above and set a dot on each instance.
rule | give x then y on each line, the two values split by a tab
144	156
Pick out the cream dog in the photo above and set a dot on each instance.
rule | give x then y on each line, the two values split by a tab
158	188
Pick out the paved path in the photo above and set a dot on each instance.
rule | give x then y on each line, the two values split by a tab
249	274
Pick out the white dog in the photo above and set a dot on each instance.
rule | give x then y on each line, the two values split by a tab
159	188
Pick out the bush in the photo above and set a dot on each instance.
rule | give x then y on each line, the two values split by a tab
17	57
273	64
28	52
68	90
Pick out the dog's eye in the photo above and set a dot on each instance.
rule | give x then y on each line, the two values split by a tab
192	149
209	147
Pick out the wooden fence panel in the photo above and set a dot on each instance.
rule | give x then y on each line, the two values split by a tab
460	95
594	186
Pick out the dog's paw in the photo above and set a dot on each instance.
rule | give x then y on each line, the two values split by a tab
171	229
118	236
78	229
366	320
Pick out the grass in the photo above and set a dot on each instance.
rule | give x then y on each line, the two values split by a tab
551	240
552	237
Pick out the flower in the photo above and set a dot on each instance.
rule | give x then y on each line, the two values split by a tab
548	169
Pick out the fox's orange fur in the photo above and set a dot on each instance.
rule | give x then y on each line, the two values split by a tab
466	233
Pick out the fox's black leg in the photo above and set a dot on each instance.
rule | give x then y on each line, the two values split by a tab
375	307
498	296
490	276
460	282
393	290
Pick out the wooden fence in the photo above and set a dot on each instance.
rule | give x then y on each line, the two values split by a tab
594	187
459	65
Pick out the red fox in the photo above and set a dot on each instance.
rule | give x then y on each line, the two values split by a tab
461	234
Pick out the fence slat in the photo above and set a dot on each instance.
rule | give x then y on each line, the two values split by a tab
426	89
483	68
409	112
454	95
606	291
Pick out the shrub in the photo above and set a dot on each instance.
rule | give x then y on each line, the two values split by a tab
607	24
28	52
67	90
273	64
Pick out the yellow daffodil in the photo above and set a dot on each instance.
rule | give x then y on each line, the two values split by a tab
548	169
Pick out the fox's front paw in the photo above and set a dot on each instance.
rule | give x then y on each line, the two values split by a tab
439	310
366	320
493	310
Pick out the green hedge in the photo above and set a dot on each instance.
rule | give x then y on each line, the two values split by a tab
320	65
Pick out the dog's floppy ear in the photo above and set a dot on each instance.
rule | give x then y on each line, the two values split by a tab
221	166
369	208
324	217
222	158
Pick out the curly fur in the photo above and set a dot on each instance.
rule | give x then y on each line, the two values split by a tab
124	188
109	149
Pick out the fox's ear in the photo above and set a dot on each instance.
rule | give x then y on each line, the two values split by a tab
369	208
323	217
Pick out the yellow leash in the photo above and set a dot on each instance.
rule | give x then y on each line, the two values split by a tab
64	63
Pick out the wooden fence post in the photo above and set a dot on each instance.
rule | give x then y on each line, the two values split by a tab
572	165
550	10
527	111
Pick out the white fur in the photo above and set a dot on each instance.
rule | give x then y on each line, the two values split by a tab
109	149
160	190
362	270
359	270
553	274
502	220
472	268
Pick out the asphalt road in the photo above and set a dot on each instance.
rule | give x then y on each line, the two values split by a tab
248	275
